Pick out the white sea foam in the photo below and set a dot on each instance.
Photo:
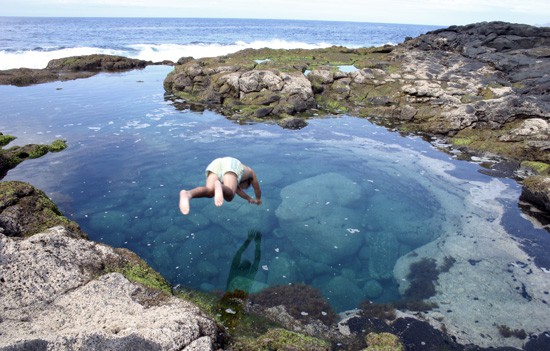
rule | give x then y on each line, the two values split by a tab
148	52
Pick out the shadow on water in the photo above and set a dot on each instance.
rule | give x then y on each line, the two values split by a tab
242	271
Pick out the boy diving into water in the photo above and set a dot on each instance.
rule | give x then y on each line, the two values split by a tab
225	177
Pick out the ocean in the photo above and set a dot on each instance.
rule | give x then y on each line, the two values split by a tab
348	206
32	42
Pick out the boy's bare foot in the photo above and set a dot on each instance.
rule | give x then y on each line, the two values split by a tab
218	193
185	196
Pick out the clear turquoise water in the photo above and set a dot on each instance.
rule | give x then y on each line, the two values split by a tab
343	199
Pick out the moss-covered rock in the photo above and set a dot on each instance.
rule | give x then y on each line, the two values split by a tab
383	342
95	63
69	68
281	340
136	270
541	168
5	139
536	190
25	211
11	157
57	145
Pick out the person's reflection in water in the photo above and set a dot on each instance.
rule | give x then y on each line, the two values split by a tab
243	272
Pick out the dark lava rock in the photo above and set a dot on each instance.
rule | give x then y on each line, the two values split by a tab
69	68
95	63
293	123
418	335
539	343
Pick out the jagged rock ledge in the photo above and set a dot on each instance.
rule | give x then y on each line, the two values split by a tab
481	88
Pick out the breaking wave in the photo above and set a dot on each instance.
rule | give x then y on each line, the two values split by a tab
39	57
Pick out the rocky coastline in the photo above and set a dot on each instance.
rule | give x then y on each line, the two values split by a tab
482	89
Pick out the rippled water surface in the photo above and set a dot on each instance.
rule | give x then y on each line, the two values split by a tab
347	206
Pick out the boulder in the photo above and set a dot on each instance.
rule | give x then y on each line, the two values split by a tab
95	63
56	296
343	293
293	123
25	211
251	93
536	190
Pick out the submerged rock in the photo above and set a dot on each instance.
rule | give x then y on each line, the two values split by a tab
314	216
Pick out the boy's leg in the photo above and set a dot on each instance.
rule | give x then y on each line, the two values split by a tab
229	185
202	191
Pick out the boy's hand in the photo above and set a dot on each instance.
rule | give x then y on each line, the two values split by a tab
255	201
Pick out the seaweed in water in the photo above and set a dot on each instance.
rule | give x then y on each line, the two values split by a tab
415	305
422	277
507	332
385	311
230	308
301	301
448	263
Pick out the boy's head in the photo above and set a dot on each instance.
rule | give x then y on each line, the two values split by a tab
245	183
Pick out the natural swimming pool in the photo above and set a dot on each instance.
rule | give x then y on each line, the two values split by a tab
347	206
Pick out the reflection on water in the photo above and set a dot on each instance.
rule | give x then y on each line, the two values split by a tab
242	272
347	208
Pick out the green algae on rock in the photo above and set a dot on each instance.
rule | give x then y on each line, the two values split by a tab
383	342
281	339
25	211
137	270
6	139
11	157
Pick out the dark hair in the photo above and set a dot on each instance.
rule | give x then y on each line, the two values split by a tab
245	183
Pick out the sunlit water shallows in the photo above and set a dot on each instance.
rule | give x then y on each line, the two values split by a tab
347	206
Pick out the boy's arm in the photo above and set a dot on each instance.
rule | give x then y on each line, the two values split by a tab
257	190
244	195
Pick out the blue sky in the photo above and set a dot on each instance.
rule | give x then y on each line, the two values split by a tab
437	12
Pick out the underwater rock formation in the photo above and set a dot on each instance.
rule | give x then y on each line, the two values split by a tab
311	217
